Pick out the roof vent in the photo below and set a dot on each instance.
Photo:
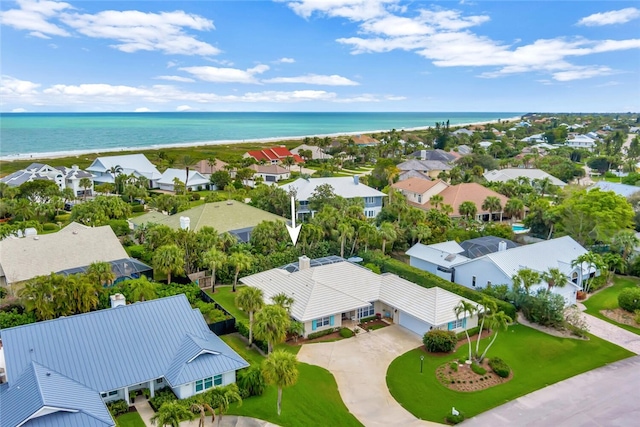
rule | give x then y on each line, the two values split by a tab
304	262
48	374
502	246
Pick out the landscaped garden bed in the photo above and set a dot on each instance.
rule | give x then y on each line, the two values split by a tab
373	324
461	377
621	316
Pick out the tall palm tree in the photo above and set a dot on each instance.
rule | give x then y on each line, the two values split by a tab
590	261
169	259
240	261
625	241
83	292
202	408
37	296
526	278
514	208
421	232
214	259
222	397
271	325
250	300
345	231
368	233
100	272
283	300
497	321
489	307
23	208
436	200
492	204
554	277
187	161
463	309
387	234
171	413
85	183
468	209
142	289
281	370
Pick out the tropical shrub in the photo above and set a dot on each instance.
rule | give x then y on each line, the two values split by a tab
346	333
137	208
575	322
211	313
629	299
545	308
439	341
161	397
453	366
637	317
118	408
499	366
11	318
63	217
49	226
478	369
455	419
471	332
251	381
194	196
319	334
368	319
120	227
243	329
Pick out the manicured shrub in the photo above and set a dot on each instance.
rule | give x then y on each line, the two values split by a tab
137	208
63	217
438	341
499	367
118	407
472	332
243	329
368	319
453	366
478	369
211	313
372	267
136	251
629	299
346	333
120	227
161	397
194	196
544	308
251	381
49	227
319	334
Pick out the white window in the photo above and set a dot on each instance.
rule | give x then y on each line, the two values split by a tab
369	200
370	213
473	281
459	323
207	383
366	311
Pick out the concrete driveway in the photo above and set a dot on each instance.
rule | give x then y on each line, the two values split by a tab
359	366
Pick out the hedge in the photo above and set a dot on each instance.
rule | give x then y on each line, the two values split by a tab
439	341
321	333
629	299
243	329
428	280
499	367
346	333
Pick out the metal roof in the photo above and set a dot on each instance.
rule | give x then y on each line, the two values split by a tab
623	190
117	347
130	163
445	254
342	186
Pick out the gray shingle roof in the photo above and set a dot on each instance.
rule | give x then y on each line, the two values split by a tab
423	165
504	175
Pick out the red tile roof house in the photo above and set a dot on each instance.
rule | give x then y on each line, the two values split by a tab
273	155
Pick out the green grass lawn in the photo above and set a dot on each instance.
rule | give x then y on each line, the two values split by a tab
130	419
607	299
226	299
537	360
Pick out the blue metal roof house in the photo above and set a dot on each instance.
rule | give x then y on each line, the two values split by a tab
62	372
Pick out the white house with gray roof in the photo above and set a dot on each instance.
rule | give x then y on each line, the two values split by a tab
504	175
61	372
331	292
64	177
137	165
346	187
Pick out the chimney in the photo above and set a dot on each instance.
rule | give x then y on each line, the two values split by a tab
185	223
356	179
304	262
502	246
117	300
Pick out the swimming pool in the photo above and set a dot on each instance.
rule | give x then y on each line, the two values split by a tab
519	228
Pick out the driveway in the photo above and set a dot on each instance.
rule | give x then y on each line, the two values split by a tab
606	396
612	333
359	366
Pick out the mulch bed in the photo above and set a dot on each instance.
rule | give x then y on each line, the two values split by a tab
331	337
621	316
373	324
464	379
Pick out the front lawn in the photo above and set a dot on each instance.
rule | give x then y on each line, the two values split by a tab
227	300
607	299
130	419
536	359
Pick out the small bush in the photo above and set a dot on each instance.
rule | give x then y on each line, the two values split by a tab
346	333
368	319
499	367
194	196
136	251
629	299
478	369
637	317
319	334
438	341
453	366
372	267
471	332
137	208
161	397
251	381
49	226
120	227
118	408
63	217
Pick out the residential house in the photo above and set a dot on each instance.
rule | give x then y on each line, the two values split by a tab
485	144
317	153
364	140
623	190
271	174
419	192
206	167
462	132
448	260
273	155
534	139
232	216
62	372
504	175
64	177
429	168
331	292
438	155
346	187
464	150
197	181
137	165
581	141
74	246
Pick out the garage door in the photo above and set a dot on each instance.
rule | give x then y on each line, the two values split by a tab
413	323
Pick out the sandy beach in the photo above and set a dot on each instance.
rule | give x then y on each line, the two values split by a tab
71	153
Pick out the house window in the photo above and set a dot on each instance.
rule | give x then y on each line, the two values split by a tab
159	381
369	200
420	198
323	321
217	380
103	395
458	323
207	383
113	393
366	311
370	213
473	281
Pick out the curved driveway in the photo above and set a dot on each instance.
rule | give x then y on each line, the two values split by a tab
359	366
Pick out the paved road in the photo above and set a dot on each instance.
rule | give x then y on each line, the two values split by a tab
606	396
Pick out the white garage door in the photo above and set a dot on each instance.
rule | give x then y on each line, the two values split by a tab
413	323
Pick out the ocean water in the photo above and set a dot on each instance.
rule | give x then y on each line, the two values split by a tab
45	134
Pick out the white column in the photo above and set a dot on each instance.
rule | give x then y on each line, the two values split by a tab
152	387
126	395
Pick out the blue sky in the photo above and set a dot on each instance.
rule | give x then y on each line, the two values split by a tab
320	55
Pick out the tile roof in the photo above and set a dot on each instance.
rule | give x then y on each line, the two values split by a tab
416	185
203	166
455	195
364	140
74	246
270	169
274	153
316	152
342	186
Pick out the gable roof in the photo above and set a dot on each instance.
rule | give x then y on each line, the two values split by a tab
446	254
416	185
436	154
223	216
316	152
75	245
403	176
195	177
364	140
504	175
424	165
342	186
90	349
273	153
203	166
342	286
269	169
130	163
45	172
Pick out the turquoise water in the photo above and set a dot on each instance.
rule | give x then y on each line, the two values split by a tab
518	227
23	134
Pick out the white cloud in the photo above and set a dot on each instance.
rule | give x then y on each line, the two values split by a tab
226	75
12	86
355	10
315	79
172	64
19	110
621	16
142	110
183	108
580	73
33	16
285	61
175	79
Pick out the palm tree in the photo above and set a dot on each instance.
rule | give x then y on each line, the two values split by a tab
142	289
392	173
468	209
421	232
214	259
497	321
387	233
171	413
368	233
554	277
250	300
280	369
346	231
240	261
37	296
187	161
492	204
85	183
464	308
223	397
625	241
436	200
100	272
169	259
288	162
271	325
283	300
526	278
489	307
23	208
514	208
593	261
82	292
202	408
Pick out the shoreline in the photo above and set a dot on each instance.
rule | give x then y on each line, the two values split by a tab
75	153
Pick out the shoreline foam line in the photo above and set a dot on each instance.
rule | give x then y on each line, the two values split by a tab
72	153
